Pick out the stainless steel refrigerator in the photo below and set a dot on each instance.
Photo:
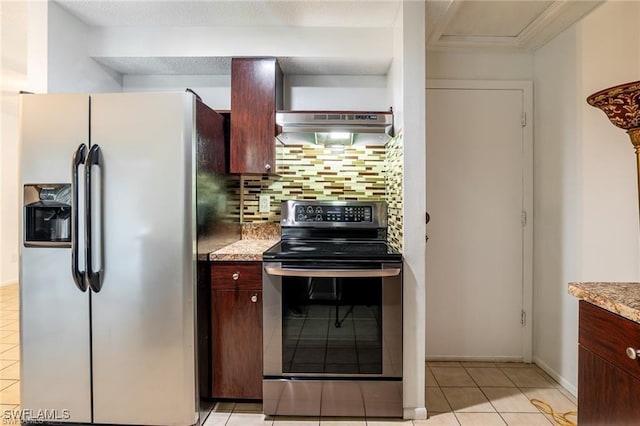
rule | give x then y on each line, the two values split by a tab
108	260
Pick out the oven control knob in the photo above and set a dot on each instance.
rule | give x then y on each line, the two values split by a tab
300	217
309	209
319	217
318	209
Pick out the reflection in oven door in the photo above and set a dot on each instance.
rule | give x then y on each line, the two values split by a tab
331	327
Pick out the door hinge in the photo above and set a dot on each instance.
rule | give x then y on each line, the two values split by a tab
523	318
523	218
523	119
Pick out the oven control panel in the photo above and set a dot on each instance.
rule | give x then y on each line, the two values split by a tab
336	214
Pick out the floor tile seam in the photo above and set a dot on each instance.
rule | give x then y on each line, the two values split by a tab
8	386
472	387
539	410
434	378
497	368
13	346
11	385
489	399
456	386
472	412
9	365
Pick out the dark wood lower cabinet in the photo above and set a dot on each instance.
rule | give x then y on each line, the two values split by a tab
204	329
606	394
608	380
236	311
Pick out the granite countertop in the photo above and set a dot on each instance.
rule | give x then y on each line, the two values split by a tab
242	250
622	298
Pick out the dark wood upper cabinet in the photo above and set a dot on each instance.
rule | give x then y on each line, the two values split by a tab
256	94
210	138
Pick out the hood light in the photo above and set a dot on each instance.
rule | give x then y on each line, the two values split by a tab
334	138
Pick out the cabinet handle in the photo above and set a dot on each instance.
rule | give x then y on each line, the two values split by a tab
633	353
254	298
235	276
267	167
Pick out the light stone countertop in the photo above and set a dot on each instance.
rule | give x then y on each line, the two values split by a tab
242	251
622	298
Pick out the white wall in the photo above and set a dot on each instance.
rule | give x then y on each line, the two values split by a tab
409	73
70	69
333	92
479	66
586	212
44	49
556	206
23	38
215	90
301	92
370	45
609	196
13	36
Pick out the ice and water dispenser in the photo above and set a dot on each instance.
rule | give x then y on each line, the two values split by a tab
47	215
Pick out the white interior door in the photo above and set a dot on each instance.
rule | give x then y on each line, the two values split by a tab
477	177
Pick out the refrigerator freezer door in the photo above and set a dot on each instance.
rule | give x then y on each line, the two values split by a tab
143	317
54	313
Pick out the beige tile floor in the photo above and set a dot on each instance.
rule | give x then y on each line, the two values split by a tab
9	348
458	393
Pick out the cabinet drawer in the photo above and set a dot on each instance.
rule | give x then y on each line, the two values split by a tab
609	335
236	275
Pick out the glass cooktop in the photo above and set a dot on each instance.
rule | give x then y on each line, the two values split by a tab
332	250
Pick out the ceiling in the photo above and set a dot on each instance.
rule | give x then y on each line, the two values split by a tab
516	25
508	25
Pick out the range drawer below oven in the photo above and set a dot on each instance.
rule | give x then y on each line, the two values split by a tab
349	398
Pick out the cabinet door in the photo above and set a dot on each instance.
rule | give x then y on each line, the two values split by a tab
255	95
212	150
237	343
606	394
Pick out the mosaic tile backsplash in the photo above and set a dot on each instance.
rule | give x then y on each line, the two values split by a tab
394	177
325	173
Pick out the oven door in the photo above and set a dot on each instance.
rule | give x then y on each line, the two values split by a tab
338	320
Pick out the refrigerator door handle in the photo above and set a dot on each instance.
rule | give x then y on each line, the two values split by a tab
78	158
94	158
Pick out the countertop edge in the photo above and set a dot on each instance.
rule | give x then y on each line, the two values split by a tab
248	250
589	293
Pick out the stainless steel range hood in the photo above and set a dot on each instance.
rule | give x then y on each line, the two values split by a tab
335	127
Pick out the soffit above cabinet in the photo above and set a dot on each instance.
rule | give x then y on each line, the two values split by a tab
522	25
228	13
205	65
327	32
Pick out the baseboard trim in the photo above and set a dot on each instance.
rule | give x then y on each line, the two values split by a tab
416	413
573	390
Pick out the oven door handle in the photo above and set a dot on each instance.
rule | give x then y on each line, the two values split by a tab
336	273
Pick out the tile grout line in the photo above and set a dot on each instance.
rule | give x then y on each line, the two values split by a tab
483	393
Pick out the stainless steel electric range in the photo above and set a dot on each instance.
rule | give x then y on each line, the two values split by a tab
333	313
